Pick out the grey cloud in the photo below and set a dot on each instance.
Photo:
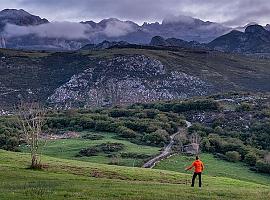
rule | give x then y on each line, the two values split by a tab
69	30
179	18
117	28
237	12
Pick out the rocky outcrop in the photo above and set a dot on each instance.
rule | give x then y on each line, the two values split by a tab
127	79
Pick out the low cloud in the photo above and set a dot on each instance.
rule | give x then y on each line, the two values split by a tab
67	30
117	29
181	19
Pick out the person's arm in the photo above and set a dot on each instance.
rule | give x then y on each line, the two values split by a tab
190	167
202	166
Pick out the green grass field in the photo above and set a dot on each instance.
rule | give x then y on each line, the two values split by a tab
69	148
214	167
70	179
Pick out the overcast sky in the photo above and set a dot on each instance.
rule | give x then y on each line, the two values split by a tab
230	12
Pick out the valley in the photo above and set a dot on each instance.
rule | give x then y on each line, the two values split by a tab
103	108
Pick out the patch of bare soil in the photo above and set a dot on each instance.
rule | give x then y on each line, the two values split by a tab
66	135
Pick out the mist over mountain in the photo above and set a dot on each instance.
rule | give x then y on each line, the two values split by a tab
20	29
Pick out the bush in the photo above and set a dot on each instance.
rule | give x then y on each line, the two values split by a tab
151	113
135	155
9	138
126	132
233	156
159	137
111	147
138	126
220	156
244	107
104	147
251	159
205	145
91	136
263	167
91	151
105	126
121	113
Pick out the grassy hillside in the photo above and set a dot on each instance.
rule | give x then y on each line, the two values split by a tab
66	179
214	167
69	149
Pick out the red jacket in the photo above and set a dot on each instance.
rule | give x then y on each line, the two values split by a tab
198	166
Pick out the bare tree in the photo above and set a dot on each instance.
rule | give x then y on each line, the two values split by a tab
31	117
267	158
195	140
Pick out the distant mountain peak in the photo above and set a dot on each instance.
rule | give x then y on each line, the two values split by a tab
255	29
20	17
15	14
255	39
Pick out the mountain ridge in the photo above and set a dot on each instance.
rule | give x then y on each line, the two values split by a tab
255	39
111	29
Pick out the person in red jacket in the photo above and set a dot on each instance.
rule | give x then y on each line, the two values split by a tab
198	169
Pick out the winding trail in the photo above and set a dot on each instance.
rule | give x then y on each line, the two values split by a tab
166	152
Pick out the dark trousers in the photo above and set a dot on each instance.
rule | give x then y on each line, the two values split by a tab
194	177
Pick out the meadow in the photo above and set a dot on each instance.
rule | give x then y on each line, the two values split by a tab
214	167
69	149
70	179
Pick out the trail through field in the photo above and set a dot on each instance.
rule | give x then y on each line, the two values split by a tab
167	151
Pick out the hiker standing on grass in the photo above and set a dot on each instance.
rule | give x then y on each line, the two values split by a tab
198	168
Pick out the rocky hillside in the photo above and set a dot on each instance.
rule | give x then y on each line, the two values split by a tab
124	76
127	79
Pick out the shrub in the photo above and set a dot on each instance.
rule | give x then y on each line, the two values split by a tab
104	147
88	124
233	156
251	159
91	151
220	156
138	126
111	147
105	126
263	167
126	132
151	113
121	113
159	137
205	145
244	107
134	155
91	136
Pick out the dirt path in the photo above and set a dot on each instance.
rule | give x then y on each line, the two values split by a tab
166	152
